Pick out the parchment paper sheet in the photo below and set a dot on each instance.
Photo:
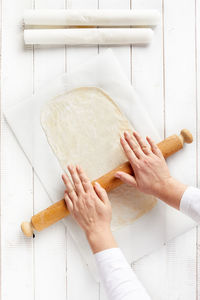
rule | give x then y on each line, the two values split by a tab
103	71
83	36
87	17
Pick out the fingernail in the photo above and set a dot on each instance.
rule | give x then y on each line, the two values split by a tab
117	175
96	183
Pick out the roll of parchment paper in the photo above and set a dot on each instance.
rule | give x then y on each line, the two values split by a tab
111	36
91	17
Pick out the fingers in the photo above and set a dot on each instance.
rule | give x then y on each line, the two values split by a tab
68	203
128	151
84	180
126	178
154	147
133	144
144	147
69	187
138	146
76	180
101	193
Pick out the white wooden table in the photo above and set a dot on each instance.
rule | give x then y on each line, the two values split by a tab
166	75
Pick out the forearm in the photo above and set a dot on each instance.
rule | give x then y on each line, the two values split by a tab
119	280
100	240
190	203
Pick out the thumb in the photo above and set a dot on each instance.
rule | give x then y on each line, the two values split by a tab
126	178
69	203
101	193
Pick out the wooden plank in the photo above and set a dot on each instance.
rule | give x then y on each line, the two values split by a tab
147	78
76	268
50	251
169	272
123	54
179	88
17	189
180	98
147	69
175	280
198	131
50	254
76	55
197	87
172	268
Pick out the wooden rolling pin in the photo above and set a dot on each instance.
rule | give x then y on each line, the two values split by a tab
59	210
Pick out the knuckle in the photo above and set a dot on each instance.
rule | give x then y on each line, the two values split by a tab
76	211
90	203
76	181
85	182
129	151
72	171
147	162
80	205
83	196
145	148
137	165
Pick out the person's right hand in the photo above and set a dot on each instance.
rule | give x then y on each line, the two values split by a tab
151	174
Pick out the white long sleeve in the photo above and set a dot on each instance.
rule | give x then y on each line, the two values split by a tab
120	282
190	203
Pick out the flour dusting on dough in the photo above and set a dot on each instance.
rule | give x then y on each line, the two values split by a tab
83	127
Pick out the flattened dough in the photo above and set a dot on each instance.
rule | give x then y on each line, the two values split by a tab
83	127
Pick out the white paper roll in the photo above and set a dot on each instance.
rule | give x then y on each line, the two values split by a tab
82	36
91	17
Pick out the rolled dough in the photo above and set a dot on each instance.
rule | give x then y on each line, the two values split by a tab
88	36
83	127
88	17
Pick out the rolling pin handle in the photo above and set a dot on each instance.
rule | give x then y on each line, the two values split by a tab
28	229
186	136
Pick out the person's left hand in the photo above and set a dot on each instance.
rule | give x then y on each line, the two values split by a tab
90	207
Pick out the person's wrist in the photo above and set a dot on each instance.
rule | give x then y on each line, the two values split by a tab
100	239
164	187
171	192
